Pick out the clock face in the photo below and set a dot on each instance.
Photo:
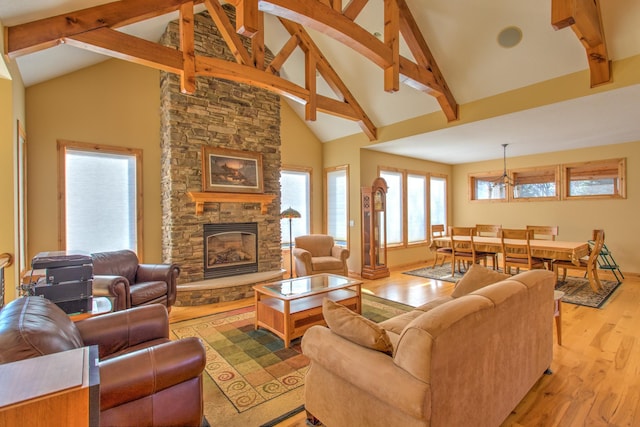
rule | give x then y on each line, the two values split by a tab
377	201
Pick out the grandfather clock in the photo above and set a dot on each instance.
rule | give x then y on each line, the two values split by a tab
374	230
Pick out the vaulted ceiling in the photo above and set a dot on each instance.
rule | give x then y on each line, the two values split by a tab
356	67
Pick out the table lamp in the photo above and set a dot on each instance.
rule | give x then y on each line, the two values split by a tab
290	214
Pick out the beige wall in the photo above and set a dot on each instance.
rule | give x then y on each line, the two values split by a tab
575	218
301	148
11	112
371	161
112	103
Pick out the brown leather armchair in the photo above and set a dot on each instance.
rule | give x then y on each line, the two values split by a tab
318	253
119	276
145	378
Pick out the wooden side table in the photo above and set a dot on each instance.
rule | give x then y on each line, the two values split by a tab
56	389
557	298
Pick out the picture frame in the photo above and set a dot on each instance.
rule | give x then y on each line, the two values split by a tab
231	171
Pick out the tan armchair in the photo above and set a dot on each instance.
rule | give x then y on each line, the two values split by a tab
318	253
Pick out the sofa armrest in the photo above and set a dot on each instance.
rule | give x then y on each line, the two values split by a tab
160	273
340	252
117	331
139	374
114	287
369	370
302	259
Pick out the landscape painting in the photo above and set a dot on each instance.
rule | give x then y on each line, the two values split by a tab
231	171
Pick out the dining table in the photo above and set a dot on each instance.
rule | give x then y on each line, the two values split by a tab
549	249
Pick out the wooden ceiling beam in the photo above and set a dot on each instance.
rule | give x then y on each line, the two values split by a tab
392	41
281	57
585	19
353	9
129	48
228	32
94	29
314	14
422	54
331	77
187	46
213	67
45	33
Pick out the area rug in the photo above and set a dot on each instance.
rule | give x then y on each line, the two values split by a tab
251	378
576	290
438	273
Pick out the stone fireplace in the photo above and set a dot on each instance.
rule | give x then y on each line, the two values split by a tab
219	114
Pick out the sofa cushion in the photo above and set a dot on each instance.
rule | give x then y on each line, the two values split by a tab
147	291
475	278
327	263
34	326
355	328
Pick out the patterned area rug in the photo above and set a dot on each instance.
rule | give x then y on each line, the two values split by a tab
576	289
438	272
251	377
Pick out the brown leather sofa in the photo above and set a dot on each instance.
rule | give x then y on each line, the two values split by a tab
145	378
119	276
318	253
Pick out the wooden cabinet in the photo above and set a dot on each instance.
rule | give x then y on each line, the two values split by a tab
374	230
60	389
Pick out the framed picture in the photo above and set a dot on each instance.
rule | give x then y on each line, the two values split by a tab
231	171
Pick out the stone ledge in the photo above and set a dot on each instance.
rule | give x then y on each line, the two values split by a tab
223	289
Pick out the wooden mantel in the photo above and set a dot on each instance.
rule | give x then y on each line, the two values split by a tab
202	198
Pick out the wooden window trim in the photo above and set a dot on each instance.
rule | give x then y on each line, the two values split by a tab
598	168
325	219
309	170
484	176
62	146
551	170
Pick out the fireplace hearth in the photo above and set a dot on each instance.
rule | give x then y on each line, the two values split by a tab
230	249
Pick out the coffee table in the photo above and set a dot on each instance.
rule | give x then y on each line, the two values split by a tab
289	307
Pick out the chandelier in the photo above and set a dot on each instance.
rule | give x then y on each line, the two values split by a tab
505	179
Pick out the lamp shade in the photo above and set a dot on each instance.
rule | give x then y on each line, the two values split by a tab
290	213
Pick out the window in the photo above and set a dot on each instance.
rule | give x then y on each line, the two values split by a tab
438	200
536	183
487	186
295	184
337	204
416	208
597	179
394	206
101	197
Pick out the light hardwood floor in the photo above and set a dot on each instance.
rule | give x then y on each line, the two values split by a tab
596	372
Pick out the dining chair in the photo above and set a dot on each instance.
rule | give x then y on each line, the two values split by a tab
464	250
516	250
588	264
548	232
437	230
544	232
489	230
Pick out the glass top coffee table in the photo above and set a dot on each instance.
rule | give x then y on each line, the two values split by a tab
289	307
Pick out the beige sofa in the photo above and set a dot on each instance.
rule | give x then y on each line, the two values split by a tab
461	360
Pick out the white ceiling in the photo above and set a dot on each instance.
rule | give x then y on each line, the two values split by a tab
462	37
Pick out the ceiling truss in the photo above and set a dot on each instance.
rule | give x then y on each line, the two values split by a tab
585	19
95	29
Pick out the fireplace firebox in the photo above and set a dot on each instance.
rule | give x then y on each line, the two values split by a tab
230	249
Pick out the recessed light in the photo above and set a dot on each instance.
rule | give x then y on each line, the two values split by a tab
509	37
